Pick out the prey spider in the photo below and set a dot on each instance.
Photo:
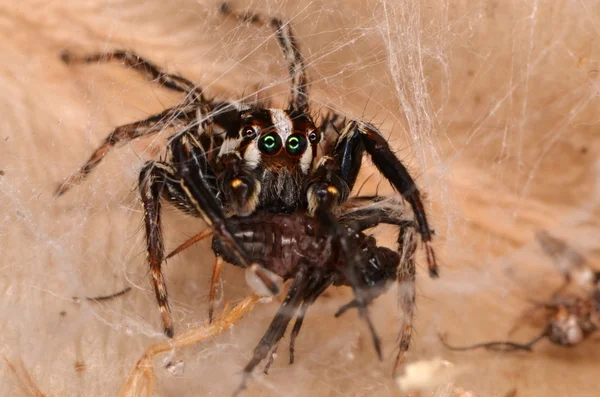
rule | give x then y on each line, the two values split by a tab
273	179
570	319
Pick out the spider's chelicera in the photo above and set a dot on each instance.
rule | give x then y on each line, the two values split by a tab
274	188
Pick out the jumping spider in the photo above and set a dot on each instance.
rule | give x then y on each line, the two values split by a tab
274	189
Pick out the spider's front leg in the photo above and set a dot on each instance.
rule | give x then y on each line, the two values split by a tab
358	136
189	183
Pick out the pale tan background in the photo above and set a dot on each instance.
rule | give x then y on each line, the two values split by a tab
494	105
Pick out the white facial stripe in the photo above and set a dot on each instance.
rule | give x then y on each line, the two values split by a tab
252	155
306	159
282	123
229	145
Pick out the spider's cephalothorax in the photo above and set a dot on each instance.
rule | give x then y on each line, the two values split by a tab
230	160
266	161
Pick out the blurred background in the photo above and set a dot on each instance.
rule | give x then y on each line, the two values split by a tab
494	107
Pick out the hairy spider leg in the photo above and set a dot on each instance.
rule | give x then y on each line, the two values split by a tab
371	217
289	47
324	194
172	117
200	192
188	183
339	174
358	137
177	116
278	325
315	290
153	179
130	59
406	291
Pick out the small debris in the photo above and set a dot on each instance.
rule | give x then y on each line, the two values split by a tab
426	374
80	366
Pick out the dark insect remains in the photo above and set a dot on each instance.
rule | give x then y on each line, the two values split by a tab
274	188
570	319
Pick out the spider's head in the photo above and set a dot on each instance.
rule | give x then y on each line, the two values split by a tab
275	140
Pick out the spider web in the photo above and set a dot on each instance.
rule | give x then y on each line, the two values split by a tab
493	107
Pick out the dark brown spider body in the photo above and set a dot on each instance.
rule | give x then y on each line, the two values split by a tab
274	188
282	243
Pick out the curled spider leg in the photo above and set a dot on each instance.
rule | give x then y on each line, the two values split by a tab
366	218
130	59
173	117
501	346
353	304
103	298
289	47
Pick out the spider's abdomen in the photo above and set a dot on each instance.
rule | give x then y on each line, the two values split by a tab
278	242
283	242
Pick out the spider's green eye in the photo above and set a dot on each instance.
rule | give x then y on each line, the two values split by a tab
269	143
296	144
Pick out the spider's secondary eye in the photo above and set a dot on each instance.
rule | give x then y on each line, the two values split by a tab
249	133
296	144
269	143
313	137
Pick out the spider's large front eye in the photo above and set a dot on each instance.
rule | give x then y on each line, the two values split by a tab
269	143
296	144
